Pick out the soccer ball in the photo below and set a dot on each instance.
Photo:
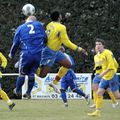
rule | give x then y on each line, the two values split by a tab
67	14
28	9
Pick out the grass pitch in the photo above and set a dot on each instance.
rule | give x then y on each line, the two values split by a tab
55	110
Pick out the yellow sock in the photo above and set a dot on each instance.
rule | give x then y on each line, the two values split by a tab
113	99
38	71
95	96
5	97
62	71
55	81
99	102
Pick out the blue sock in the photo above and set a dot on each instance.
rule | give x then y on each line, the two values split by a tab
79	92
19	83
31	81
63	95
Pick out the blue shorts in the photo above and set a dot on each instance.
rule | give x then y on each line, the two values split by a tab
96	80
49	57
29	63
112	84
69	80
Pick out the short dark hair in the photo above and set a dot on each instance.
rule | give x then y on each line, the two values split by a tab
100	40
55	15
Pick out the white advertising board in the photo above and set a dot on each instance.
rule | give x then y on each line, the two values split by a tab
42	90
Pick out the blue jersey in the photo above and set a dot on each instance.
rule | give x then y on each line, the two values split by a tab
30	36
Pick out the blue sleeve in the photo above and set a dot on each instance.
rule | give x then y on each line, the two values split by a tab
16	42
45	35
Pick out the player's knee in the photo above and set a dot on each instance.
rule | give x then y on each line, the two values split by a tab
116	94
42	75
44	71
68	65
100	93
94	88
62	90
65	63
108	90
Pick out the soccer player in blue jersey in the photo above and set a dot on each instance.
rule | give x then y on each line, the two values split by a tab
57	35
69	81
30	38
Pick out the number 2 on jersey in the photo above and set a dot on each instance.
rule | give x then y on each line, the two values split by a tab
31	31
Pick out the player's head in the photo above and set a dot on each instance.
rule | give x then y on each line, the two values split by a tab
56	16
31	18
99	45
100	40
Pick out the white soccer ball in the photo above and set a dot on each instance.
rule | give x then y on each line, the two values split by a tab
68	14
28	9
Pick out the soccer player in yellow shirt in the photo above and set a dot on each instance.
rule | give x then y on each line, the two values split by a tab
3	95
95	84
57	35
107	76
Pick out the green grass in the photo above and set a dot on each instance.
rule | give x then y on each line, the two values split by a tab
55	110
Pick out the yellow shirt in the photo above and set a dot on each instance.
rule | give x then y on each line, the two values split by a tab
57	35
108	61
97	63
3	60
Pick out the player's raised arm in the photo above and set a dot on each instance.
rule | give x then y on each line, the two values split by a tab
65	40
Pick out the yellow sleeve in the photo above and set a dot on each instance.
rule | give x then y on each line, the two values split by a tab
94	68
110	59
3	60
66	41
